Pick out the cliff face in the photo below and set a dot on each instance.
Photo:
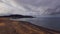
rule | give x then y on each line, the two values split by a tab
21	27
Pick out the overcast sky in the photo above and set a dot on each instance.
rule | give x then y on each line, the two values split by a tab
29	7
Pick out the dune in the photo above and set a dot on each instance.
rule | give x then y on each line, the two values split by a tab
8	26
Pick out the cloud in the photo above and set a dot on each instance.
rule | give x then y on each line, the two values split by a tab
30	7
41	7
8	7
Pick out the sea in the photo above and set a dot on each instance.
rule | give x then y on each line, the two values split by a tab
50	22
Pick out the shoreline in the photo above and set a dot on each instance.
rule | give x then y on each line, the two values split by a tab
23	27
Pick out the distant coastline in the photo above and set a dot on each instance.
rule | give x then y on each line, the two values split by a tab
16	16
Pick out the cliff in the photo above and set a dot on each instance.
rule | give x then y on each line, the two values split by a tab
8	26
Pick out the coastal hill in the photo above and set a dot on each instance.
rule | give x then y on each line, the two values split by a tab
17	16
8	26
